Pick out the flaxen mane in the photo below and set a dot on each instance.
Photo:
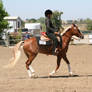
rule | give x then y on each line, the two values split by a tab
65	31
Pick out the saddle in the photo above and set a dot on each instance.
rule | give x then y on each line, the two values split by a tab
44	40
44	37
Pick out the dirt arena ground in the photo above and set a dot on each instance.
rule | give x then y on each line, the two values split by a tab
17	80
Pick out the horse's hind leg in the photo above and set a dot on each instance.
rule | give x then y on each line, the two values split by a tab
30	70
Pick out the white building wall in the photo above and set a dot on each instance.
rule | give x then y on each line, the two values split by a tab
14	23
33	28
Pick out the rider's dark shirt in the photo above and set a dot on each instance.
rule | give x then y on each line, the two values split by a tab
49	26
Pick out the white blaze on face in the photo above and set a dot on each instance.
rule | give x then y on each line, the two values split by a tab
75	28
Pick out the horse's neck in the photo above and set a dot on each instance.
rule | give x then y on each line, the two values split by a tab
67	37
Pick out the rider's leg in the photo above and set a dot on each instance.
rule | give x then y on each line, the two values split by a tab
55	41
60	39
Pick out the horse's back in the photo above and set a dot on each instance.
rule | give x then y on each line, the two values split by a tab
31	45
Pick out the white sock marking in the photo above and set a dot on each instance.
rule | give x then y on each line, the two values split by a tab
29	73
69	69
53	72
31	69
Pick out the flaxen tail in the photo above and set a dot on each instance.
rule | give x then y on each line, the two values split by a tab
16	55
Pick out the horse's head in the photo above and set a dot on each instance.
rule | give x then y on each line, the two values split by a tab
76	31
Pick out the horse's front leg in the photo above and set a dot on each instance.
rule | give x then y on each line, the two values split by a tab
68	64
57	66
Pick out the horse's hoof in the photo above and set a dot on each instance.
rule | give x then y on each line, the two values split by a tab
50	76
34	76
52	73
71	74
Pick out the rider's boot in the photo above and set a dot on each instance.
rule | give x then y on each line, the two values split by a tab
55	52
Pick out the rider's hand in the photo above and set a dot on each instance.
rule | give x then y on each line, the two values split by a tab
56	32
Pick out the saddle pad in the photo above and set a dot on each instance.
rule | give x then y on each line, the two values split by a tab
41	42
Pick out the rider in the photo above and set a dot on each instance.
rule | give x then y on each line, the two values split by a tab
51	31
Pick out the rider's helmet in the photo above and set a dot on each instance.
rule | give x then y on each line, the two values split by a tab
48	12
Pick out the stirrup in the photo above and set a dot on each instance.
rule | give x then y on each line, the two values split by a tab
55	52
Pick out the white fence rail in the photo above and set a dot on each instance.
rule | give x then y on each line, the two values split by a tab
87	40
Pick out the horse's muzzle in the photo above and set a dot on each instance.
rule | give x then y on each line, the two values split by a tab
82	36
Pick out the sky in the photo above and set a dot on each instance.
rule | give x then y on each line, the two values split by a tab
26	9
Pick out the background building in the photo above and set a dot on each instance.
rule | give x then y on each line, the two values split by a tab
33	28
15	23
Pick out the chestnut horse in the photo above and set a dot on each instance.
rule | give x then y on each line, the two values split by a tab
31	49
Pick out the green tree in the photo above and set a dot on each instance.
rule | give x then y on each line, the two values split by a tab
31	20
42	21
3	13
89	24
56	19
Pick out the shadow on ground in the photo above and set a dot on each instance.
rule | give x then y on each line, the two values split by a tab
45	77
66	76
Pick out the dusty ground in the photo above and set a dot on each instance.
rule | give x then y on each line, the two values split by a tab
17	80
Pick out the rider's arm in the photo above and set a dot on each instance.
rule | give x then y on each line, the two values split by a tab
49	27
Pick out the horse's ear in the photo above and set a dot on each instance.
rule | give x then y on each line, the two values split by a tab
73	25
